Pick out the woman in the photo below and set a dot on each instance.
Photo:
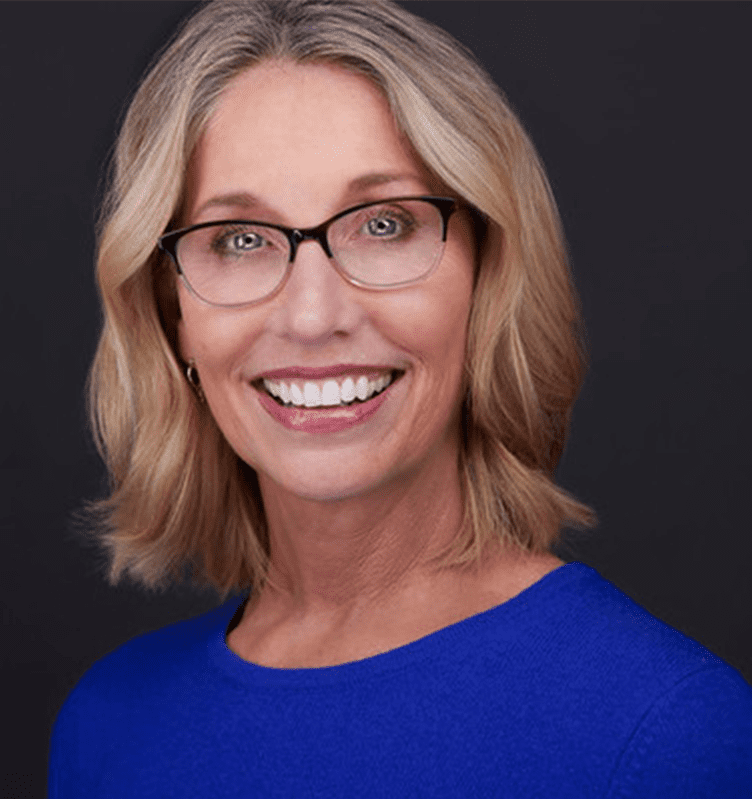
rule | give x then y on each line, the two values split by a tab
341	346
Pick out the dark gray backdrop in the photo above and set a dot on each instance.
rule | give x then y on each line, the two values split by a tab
641	114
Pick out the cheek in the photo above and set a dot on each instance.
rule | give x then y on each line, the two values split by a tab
217	339
435	334
438	321
209	337
431	326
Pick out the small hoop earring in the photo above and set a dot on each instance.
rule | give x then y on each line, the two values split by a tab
191	374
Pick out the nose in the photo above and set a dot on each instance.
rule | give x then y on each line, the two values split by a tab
316	303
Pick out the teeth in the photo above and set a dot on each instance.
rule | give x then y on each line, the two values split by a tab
329	394
296	395
312	395
361	388
347	392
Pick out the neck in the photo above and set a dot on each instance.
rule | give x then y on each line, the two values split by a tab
335	556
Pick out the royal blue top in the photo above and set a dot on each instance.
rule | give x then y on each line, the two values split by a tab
569	689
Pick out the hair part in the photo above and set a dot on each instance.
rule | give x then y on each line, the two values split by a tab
180	497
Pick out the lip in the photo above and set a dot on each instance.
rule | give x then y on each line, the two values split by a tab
320	372
323	420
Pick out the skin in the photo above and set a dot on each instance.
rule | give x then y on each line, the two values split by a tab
353	515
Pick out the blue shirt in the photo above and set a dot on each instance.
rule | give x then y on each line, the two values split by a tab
569	689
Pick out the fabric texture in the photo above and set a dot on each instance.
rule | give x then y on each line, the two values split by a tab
569	689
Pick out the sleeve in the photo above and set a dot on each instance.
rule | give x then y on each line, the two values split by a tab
695	742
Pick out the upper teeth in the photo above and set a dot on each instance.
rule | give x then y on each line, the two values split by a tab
315	393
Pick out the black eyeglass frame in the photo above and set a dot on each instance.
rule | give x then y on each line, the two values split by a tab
168	242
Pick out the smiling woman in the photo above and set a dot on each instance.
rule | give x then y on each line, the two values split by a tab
330	116
340	351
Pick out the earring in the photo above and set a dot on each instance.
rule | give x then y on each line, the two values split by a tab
191	374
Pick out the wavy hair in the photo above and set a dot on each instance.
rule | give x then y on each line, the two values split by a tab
181	502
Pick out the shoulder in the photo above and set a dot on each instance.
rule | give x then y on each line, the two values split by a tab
124	700
581	612
682	717
615	633
145	669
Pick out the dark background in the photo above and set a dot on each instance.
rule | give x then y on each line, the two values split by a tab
641	113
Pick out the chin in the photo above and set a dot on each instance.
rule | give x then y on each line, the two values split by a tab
321	482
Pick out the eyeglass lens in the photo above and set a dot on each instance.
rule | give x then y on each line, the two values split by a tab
383	245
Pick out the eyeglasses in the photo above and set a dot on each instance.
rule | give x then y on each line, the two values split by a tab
378	245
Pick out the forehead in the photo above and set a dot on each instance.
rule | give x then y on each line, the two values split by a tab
298	136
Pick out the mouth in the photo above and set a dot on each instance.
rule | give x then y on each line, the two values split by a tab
333	392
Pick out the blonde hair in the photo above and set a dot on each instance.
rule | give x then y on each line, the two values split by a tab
181	501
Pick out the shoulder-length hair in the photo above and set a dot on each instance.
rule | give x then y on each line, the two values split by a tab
181	500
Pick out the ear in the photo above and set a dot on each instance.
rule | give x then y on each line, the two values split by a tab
166	292
182	350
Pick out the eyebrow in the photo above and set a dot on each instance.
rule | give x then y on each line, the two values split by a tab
358	185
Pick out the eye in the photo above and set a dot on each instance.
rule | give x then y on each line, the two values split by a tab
237	241
246	241
387	223
382	226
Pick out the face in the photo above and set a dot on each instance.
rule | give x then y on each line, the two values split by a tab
294	145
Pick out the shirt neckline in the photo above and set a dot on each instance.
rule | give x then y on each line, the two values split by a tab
507	614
